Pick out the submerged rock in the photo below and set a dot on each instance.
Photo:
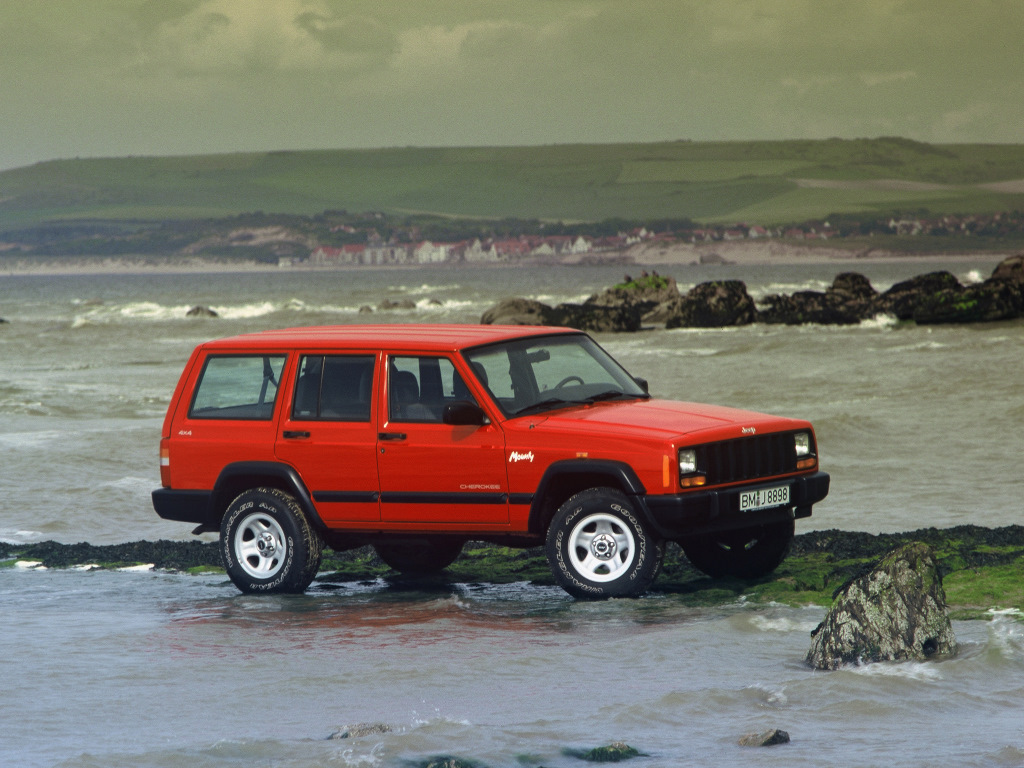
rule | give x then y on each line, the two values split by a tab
389	304
360	730
200	311
615	752
765	738
897	612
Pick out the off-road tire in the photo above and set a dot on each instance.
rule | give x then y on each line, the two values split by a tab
267	544
747	553
426	555
599	547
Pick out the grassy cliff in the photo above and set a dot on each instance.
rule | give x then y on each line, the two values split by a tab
764	182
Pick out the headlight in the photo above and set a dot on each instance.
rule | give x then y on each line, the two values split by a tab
689	474
805	458
687	462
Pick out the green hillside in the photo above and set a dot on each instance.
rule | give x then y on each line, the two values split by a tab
714	182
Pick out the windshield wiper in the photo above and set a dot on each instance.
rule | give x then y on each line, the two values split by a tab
611	394
543	405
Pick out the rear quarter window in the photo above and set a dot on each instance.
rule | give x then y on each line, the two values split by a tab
238	387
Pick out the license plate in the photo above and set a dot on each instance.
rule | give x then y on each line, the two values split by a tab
764	498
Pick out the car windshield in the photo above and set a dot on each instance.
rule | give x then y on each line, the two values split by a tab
538	374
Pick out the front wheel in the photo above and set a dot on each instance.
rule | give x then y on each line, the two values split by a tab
747	553
267	543
598	547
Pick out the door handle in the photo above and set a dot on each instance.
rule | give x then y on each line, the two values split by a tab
291	434
391	435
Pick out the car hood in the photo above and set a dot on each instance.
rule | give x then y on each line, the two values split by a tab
665	419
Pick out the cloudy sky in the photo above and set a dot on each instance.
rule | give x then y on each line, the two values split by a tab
132	77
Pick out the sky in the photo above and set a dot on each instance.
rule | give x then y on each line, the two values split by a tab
111	78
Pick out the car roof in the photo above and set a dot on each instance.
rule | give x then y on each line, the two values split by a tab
428	338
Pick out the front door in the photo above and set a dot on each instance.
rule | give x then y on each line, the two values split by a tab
431	471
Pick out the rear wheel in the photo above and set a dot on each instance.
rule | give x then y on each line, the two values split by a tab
747	553
267	544
419	556
598	547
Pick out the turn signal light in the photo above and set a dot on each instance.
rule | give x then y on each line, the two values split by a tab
693	481
165	464
810	463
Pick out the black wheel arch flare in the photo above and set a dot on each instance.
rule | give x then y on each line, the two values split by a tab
242	475
563	479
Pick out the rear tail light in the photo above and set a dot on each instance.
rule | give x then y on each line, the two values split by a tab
165	463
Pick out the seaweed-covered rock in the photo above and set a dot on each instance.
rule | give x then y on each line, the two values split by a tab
650	296
903	299
994	299
897	612
714	304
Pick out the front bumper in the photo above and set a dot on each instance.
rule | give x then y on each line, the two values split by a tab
676	516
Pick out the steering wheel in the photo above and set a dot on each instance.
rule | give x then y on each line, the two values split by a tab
567	379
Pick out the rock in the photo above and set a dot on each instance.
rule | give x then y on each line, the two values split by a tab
1010	268
615	752
360	730
517	311
897	612
904	298
765	739
853	285
713	258
201	311
447	761
847	302
389	304
599	319
366	309
587	317
714	305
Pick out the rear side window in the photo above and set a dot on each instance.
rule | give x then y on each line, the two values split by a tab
334	387
238	387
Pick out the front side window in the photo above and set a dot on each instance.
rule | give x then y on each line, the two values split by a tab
240	387
334	388
420	387
533	375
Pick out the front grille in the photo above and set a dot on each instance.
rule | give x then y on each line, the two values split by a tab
747	458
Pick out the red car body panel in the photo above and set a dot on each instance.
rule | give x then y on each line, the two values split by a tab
383	475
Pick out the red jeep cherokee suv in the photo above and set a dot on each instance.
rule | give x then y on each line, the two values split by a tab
418	438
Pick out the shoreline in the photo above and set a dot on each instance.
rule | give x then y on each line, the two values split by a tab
983	568
736	253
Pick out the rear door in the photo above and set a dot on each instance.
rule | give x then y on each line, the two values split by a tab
431	472
329	434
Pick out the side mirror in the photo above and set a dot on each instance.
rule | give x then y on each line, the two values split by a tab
462	413
643	384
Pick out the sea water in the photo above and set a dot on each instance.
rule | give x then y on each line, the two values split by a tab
918	426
